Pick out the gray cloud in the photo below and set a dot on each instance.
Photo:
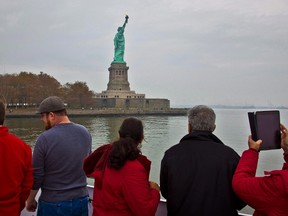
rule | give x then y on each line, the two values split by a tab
201	51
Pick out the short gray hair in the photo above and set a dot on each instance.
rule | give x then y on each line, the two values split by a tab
202	118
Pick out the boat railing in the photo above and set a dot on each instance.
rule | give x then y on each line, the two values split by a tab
161	210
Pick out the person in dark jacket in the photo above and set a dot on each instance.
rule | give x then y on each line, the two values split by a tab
196	174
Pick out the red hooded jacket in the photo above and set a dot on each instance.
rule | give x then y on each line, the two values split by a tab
16	177
268	195
122	192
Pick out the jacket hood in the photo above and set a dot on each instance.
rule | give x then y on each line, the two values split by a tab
95	164
283	173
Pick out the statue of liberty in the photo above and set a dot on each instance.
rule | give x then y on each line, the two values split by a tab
119	43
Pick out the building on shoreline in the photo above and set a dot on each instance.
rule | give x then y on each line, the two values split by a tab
118	93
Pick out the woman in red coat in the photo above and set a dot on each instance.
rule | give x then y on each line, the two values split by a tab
268	195
121	173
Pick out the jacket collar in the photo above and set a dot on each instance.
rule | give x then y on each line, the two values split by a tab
201	135
3	130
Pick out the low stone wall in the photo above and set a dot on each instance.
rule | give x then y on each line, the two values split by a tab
133	103
18	113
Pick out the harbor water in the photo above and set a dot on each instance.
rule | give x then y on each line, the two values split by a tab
161	132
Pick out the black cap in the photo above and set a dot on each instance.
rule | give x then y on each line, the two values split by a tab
51	104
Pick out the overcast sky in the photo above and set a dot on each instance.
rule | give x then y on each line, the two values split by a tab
232	52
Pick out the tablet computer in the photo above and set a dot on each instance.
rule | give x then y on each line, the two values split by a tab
265	125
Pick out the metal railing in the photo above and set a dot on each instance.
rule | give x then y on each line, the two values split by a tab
161	210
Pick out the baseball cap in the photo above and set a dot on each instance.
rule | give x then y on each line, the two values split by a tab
51	104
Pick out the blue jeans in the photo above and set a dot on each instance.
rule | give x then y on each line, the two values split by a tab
75	207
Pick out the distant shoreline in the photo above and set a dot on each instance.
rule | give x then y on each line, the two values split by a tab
31	113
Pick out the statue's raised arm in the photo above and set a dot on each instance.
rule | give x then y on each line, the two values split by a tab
119	43
126	21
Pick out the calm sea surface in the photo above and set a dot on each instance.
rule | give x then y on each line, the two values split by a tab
161	132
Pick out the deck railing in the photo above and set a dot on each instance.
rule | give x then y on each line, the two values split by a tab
161	211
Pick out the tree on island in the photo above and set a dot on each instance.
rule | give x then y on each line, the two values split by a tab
26	90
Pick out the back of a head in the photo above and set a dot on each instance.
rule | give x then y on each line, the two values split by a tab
202	118
126	148
51	104
132	128
2	112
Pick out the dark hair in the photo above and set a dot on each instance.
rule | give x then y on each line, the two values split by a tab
2	112
126	147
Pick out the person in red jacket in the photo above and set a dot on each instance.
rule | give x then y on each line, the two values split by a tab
268	195
121	173
16	177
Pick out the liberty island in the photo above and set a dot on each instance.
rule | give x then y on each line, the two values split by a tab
118	98
118	93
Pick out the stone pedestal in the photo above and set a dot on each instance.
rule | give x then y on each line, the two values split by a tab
118	94
118	85
118	77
